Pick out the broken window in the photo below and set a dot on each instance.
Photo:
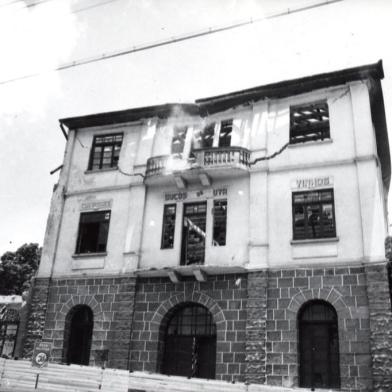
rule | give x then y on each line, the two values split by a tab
220	218
313	214
93	232
105	152
168	227
309	122
178	140
226	129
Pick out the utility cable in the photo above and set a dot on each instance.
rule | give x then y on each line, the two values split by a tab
172	40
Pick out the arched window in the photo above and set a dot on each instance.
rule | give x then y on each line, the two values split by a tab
77	337
318	346
190	343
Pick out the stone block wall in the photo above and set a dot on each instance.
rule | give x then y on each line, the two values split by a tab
378	289
345	290
111	301
36	315
256	327
224	295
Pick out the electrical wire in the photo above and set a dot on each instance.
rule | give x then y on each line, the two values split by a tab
172	40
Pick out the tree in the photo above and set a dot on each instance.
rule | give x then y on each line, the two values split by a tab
17	268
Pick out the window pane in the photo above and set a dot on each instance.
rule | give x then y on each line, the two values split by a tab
178	141
309	122
105	151
169	224
225	133
93	232
220	217
313	215
208	135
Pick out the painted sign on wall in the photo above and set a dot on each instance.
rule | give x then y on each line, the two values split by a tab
312	183
195	194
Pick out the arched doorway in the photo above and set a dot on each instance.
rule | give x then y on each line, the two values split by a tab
318	346
190	343
78	332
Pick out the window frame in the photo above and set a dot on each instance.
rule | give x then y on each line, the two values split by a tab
305	205
79	238
321	131
113	144
177	131
225	122
214	242
166	207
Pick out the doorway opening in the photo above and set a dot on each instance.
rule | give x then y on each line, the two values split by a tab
190	343
318	346
78	332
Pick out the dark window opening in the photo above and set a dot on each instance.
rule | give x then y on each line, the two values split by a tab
105	152
203	138
226	129
190	343
220	218
318	346
178	140
78	334
309	122
93	232
9	323
207	136
168	227
194	233
313	215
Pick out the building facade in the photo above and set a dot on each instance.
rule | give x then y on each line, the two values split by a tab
240	237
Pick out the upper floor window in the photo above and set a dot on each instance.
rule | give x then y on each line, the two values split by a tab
309	122
168	226
313	214
178	140
93	232
105	152
226	128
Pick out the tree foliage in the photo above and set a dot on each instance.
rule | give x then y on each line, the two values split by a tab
17	268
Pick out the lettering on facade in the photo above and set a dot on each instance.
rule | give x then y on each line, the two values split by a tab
220	192
310	183
198	194
96	205
176	196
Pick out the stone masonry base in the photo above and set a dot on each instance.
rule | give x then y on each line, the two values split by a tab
256	317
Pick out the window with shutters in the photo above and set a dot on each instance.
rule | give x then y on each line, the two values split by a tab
105	152
309	122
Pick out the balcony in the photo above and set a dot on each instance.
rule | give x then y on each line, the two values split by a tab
216	162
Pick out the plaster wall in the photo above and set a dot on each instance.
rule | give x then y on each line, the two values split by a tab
259	221
233	253
66	262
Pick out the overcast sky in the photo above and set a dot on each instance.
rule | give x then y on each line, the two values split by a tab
35	39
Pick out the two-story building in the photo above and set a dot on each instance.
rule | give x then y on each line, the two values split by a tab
240	237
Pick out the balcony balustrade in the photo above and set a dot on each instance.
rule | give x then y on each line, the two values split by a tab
223	156
213	161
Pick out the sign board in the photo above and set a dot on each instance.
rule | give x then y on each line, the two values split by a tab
96	205
41	354
195	194
312	183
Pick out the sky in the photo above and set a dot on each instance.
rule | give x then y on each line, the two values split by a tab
38	36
